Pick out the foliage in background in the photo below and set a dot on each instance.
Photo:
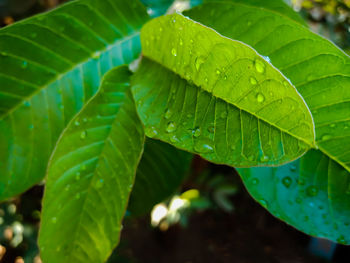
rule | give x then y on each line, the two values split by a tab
296	185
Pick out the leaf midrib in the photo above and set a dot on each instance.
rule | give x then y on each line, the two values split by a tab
245	110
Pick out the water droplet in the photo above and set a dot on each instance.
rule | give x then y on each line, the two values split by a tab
332	125
199	62
173	52
326	137
151	131
96	55
171	127
181	42
225	77
267	59
255	181
54	220
167	114
77	195
83	135
253	81
218	72
264	158
287	181
76	123
174	139
24	64
260	97
263	202
196	132
99	183
285	83
31	127
312	191
85	120
26	103
259	66
203	146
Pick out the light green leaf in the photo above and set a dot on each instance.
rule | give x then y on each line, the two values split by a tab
160	172
320	72
311	194
239	110
50	65
90	176
318	69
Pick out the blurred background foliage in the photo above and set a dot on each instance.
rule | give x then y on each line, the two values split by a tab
212	196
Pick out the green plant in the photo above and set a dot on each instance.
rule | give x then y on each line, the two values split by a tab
246	85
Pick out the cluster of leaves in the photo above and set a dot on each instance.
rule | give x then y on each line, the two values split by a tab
241	83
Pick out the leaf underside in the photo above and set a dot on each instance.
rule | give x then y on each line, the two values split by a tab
91	175
50	66
233	113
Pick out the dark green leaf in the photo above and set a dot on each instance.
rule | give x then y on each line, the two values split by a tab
240	111
91	175
160	172
157	7
50	65
312	194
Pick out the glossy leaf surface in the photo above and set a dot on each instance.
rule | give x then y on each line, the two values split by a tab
91	175
318	69
50	65
235	107
160	173
310	194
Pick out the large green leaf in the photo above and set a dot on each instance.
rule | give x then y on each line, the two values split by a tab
318	69
91	175
50	65
160	172
318	204
312	194
235	107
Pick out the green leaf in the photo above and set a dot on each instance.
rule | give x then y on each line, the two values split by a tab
90	176
157	7
239	110
312	194
278	6
319	71
50	65
161	171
